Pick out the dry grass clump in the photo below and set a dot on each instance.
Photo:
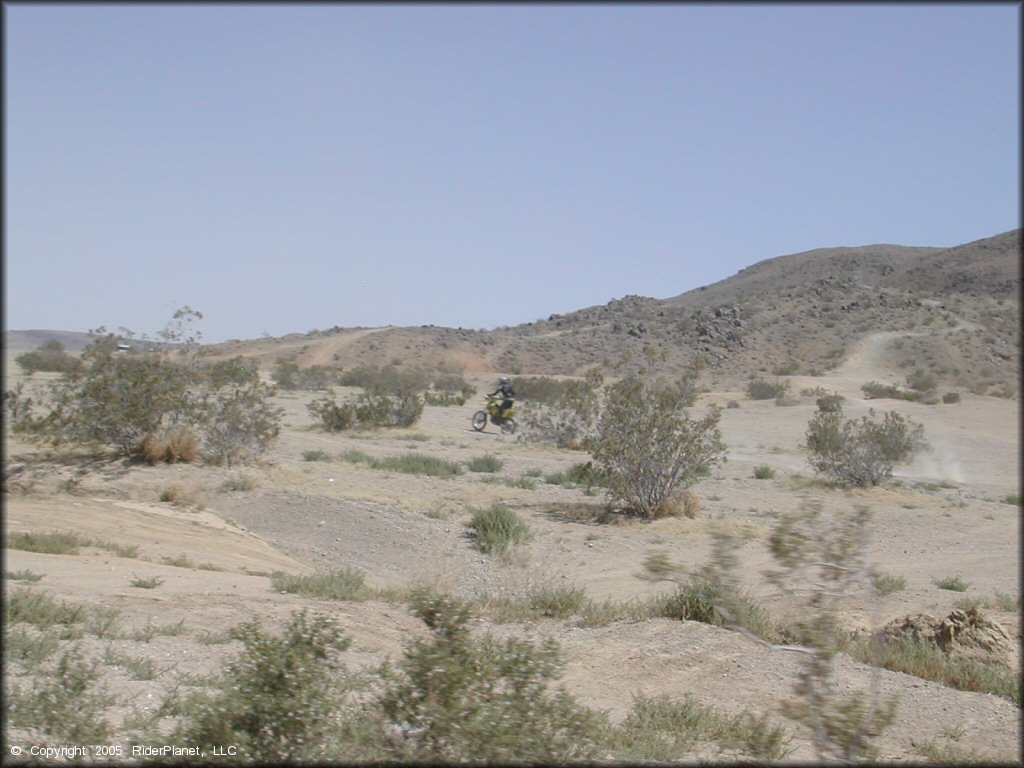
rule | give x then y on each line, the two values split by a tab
682	504
182	495
175	445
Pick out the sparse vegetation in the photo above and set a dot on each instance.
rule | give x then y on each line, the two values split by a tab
861	452
887	584
647	449
763	472
486	463
316	456
952	583
762	389
276	701
342	584
497	529
146	405
465	699
49	356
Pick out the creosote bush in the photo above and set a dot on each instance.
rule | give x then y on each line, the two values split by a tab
276	700
861	452
151	404
647	450
457	698
498	528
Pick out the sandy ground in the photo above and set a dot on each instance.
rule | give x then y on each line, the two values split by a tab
945	516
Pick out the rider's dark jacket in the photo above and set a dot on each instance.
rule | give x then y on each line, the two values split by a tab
507	393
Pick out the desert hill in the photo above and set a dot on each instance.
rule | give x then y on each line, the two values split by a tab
955	313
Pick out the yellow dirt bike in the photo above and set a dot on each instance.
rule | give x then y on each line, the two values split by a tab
492	410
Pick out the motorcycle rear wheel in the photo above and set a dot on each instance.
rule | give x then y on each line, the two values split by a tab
508	427
479	420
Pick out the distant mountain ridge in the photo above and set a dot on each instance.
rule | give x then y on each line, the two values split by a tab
799	313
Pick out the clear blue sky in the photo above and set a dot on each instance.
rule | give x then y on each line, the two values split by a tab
285	168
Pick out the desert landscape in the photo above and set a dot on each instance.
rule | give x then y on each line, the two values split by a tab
176	555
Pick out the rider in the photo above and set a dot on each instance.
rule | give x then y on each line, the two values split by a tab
507	393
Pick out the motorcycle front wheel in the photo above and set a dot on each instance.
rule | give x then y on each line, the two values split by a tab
479	420
508	427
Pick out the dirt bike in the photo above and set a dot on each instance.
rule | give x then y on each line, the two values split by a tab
492	410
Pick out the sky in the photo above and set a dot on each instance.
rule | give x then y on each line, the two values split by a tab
288	168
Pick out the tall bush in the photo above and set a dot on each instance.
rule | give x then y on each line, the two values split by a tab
647	448
861	452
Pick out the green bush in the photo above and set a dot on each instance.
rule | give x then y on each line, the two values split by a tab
833	402
498	529
922	381
418	464
333	416
120	400
67	704
289	376
276	700
316	456
951	397
461	699
49	356
647	449
486	463
952	583
764	472
761	389
561	412
343	584
861	452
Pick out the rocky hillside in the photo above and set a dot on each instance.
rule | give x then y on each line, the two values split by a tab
955	311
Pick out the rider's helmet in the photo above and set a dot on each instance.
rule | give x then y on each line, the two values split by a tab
503	380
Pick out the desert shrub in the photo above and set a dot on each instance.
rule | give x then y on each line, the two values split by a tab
833	402
289	376
886	583
376	408
732	404
564	412
951	397
448	389
647	448
178	444
665	730
952	583
67	704
49	356
239	422
48	542
861	452
181	495
762	389
486	463
115	400
333	416
237	370
821	561
498	528
418	464
922	380
276	700
788	368
873	390
316	456
341	584
460	699
386	379
763	472
238	483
